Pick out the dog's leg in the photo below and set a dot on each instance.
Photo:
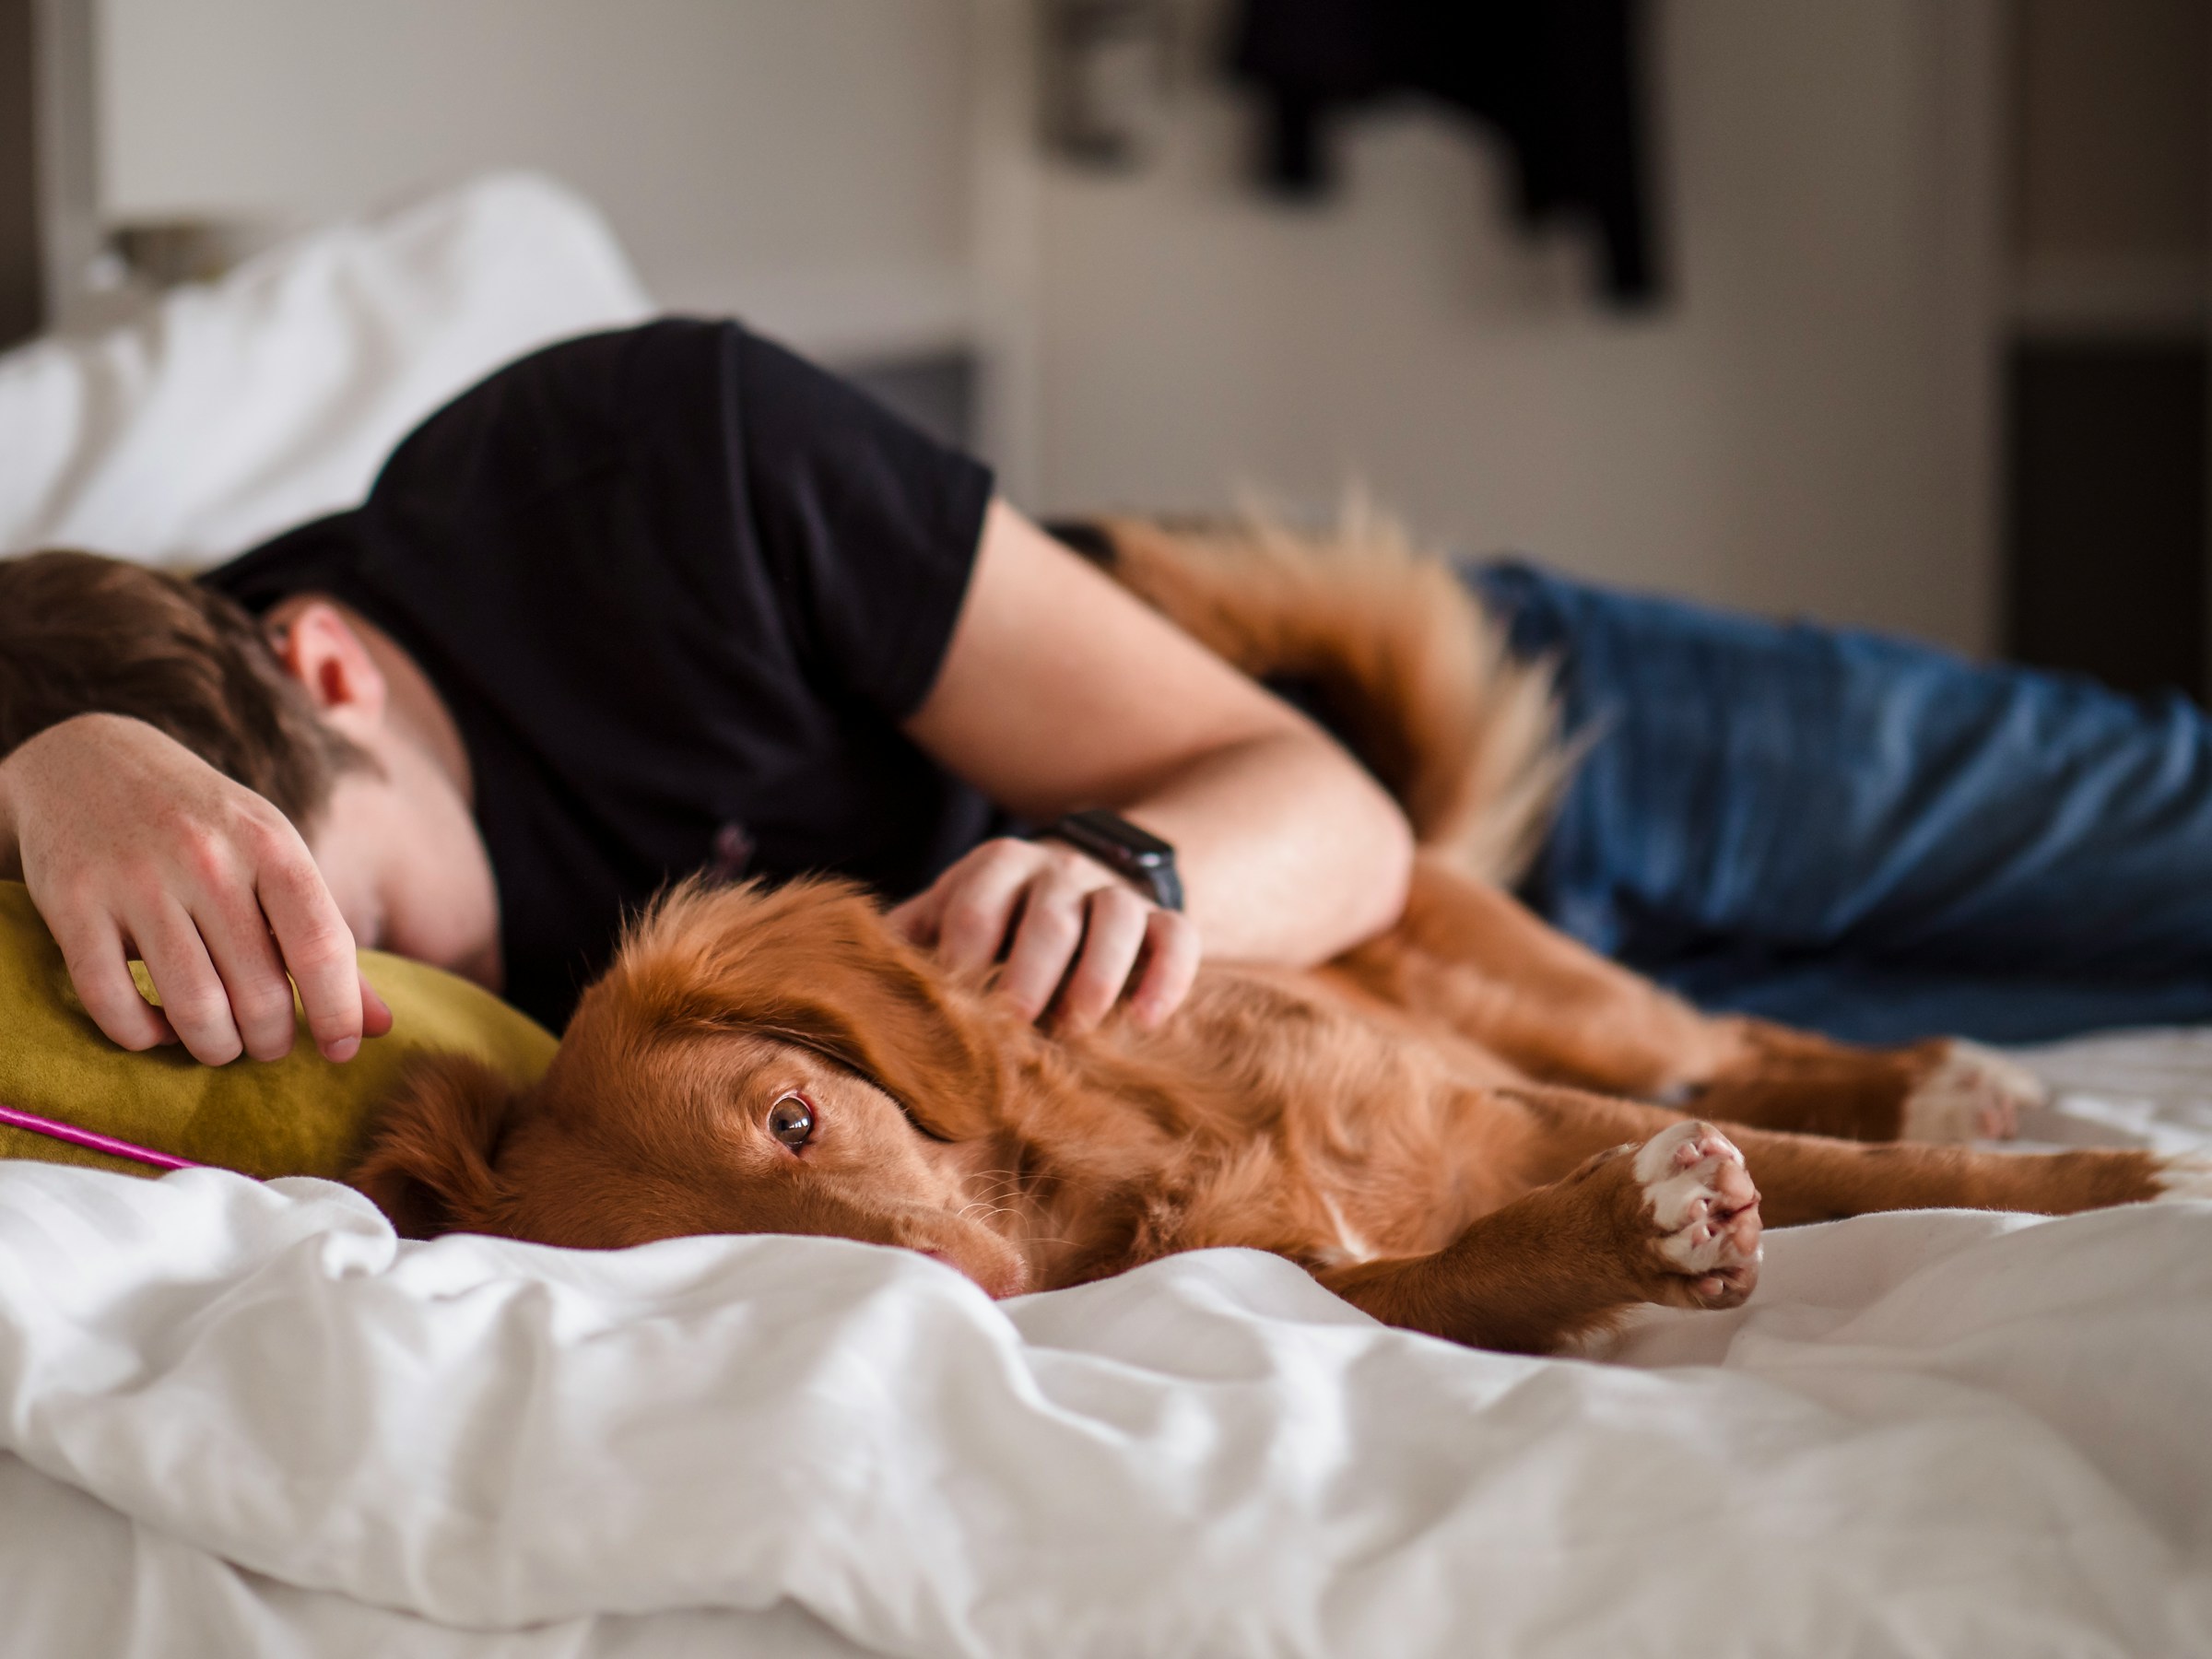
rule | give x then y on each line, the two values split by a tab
1472	957
1645	1205
1811	1177
1677	1220
1674	1221
1941	1090
1816	1178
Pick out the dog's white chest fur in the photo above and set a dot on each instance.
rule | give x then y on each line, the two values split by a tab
1350	1246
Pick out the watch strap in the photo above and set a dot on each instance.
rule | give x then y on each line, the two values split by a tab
1137	855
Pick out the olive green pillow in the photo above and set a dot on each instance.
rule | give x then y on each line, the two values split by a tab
299	1116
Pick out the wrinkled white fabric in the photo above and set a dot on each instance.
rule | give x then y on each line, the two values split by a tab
239	409
1928	1432
76	1578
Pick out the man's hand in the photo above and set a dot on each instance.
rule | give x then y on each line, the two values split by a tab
1066	925
132	846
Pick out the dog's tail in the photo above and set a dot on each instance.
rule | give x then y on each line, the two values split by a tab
1385	646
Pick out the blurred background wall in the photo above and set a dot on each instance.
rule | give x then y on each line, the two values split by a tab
1784	431
807	160
1813	420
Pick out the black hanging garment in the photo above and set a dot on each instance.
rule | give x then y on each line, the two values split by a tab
1557	78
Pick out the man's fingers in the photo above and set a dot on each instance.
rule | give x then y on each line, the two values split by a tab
376	1015
318	950
1113	932
917	919
237	943
987	885
191	991
1172	949
93	952
1045	939
1060	909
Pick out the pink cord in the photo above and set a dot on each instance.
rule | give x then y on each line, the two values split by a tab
13	1119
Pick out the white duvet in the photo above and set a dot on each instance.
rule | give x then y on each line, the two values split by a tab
245	1419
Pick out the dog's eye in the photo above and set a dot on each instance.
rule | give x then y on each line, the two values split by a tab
791	1120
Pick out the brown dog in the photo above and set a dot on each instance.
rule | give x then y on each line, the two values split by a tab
1451	1126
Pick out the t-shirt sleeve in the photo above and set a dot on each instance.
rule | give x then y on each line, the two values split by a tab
868	527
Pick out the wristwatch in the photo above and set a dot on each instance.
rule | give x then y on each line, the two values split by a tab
1135	855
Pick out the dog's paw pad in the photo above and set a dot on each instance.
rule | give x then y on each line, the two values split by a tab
1701	1199
2184	1176
1974	1093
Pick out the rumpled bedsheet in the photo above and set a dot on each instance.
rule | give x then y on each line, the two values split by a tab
245	1418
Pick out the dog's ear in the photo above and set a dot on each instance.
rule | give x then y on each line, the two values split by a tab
815	963
428	1162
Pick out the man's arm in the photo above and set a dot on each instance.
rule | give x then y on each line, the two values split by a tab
1059	691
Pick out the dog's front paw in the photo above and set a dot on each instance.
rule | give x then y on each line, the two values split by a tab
1973	1093
1700	1199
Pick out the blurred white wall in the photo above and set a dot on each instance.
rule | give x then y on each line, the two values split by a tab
1804	427
805	162
1799	430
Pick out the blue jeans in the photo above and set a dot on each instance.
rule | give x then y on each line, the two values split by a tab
1864	836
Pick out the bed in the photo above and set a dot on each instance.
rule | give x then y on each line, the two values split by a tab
243	1419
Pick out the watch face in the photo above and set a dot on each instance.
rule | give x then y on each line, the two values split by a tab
1115	841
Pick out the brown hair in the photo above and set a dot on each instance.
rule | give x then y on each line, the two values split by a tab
85	635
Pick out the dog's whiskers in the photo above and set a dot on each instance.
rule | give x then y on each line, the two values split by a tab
998	1184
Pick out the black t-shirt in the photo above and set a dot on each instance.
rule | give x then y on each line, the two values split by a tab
677	588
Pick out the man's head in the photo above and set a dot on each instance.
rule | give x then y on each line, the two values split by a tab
80	635
312	708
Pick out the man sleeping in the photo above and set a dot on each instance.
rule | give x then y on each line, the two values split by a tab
668	600
639	605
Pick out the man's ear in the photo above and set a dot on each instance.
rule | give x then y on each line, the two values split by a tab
428	1161
318	647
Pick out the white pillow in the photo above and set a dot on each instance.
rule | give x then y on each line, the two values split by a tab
235	410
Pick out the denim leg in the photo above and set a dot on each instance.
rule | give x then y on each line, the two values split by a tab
1865	835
